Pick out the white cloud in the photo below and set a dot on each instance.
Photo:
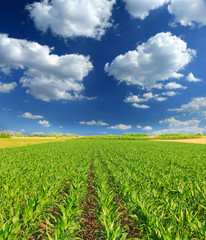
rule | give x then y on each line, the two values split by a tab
174	85
135	99
176	123
188	12
31	116
147	128
44	123
60	126
72	18
121	127
196	106
93	122
169	93
186	130
148	95
145	98
143	106
22	130
7	87
138	126
161	99
140	9
46	76
192	78
158	59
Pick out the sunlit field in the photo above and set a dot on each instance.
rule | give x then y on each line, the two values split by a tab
103	189
19	142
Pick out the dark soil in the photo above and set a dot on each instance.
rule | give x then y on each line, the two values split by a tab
89	217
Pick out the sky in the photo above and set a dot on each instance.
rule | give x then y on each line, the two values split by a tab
96	67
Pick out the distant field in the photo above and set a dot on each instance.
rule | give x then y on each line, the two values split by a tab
97	189
19	142
197	141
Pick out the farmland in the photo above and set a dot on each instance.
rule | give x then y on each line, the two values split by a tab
20	142
97	189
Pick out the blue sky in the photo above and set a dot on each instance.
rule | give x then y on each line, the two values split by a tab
103	66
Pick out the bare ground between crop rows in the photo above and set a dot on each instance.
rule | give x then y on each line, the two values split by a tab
89	217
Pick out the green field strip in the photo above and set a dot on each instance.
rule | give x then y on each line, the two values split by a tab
128	225
32	179
163	185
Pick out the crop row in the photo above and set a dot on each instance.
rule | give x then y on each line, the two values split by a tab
86	189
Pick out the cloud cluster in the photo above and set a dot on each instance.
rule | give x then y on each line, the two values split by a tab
140	9
174	85
93	122
120	127
185	12
72	18
191	78
31	116
135	100
177	123
44	123
158	59
7	87
196	106
147	128
188	12
46	76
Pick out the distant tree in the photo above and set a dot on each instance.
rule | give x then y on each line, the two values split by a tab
198	134
3	135
19	134
8	135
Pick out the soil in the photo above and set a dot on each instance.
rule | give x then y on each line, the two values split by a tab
89	217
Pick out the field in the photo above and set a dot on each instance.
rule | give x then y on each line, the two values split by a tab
20	142
97	189
197	141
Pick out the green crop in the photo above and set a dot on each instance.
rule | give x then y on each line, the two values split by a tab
162	185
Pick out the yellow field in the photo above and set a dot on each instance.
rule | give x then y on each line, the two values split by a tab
194	140
19	142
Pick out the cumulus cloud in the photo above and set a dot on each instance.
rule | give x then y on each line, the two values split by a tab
169	93
140	9
44	123
22	130
188	12
93	122
142	106
158	59
72	18
121	127
147	128
174	85
196	106
7	87
177	123
134	99
46	76
191	78
138	126
31	116
145	98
